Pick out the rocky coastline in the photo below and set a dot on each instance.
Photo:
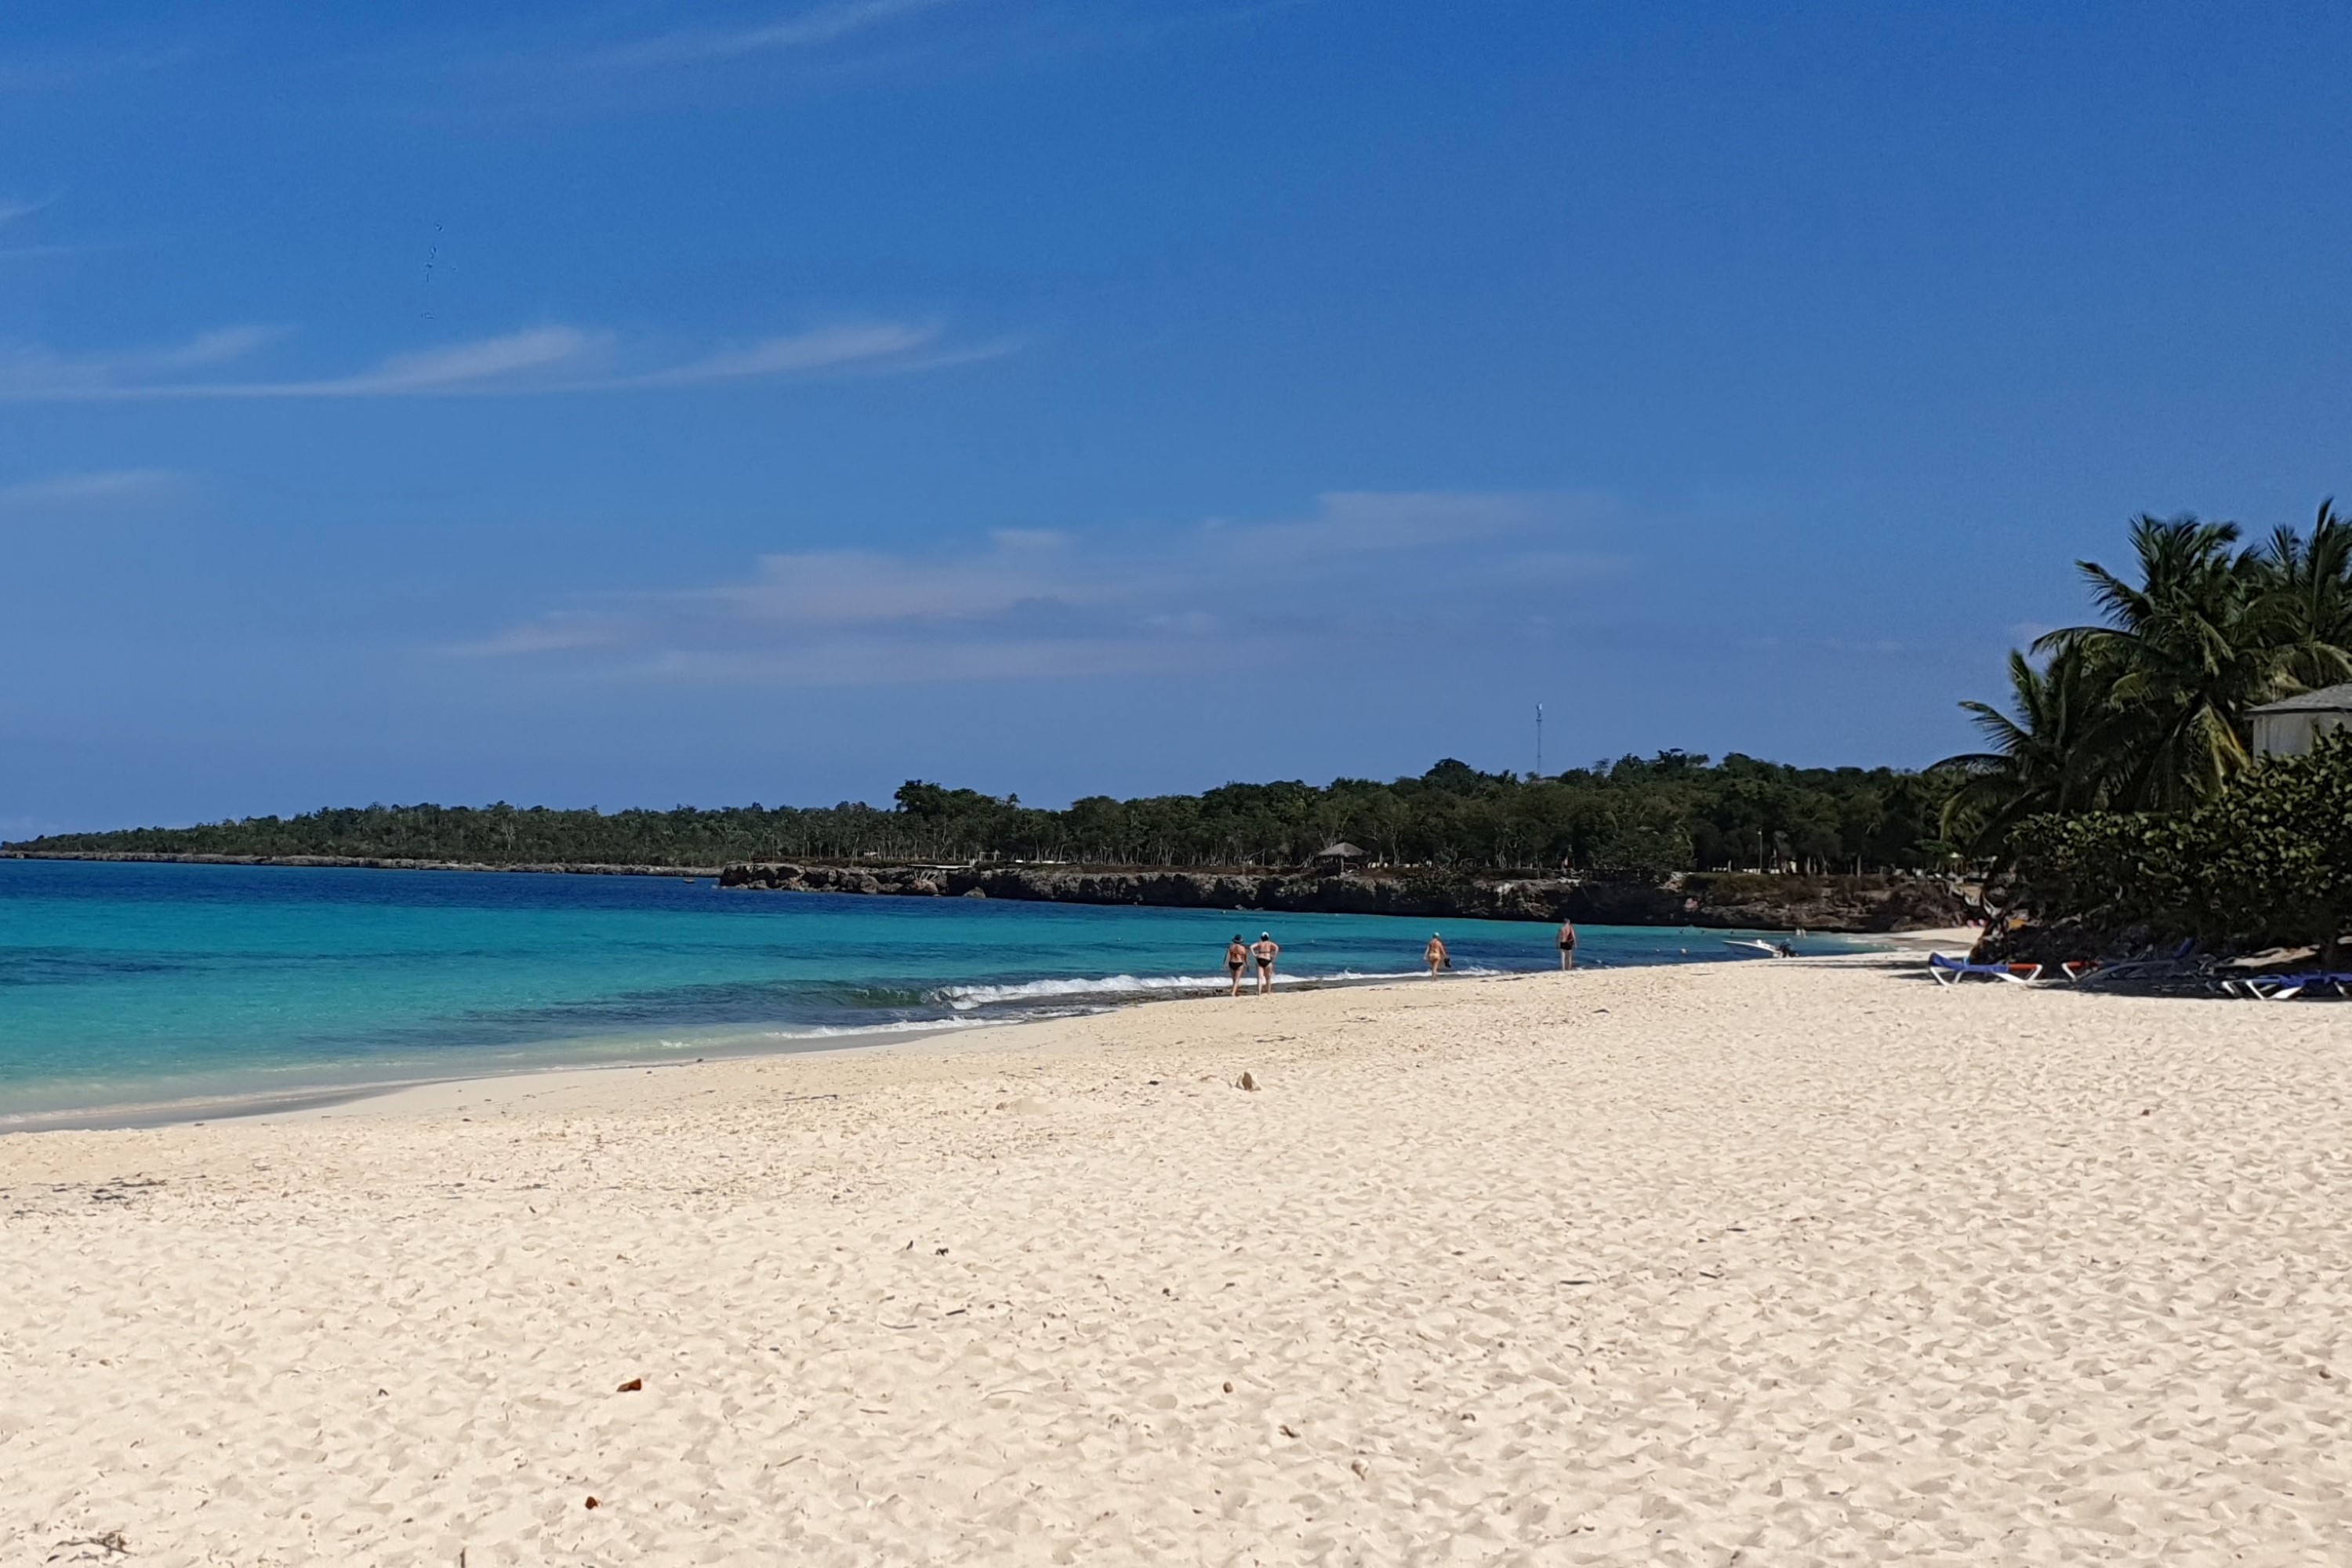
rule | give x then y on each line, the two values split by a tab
362	863
1713	901
1849	904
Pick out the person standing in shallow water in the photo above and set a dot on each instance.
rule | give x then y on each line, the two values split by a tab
1265	950
1435	954
1237	955
1567	945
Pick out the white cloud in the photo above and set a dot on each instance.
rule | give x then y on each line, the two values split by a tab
220	346
31	372
819	350
884	661
808	29
463	366
11	212
1032	602
540	360
59	72
560	632
1348	521
99	489
848	587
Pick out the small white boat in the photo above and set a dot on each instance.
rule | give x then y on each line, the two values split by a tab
1766	948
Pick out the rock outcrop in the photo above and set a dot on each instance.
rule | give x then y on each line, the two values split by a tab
1723	902
1766	903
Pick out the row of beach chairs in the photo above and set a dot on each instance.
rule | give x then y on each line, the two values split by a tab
2249	987
2286	987
1952	970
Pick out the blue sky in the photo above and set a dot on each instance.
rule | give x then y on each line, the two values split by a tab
635	405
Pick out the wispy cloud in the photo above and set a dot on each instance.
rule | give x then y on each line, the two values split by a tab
806	30
60	70
876	343
88	490
540	360
823	46
11	212
1036	603
559	633
501	363
29	372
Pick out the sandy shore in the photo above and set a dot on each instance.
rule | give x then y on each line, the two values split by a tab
1754	1263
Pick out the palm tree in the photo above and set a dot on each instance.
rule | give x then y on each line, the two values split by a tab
2040	760
2306	611
2183	657
2147	711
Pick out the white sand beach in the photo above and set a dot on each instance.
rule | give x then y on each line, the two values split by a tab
1744	1263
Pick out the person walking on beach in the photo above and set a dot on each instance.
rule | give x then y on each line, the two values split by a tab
1265	950
1435	956
1567	945
1237	954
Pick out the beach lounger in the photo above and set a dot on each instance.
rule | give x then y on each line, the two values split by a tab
2133	967
2286	987
1952	970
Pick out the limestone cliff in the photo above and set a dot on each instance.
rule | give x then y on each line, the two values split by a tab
1765	903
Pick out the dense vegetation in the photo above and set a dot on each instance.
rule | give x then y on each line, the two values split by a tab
2268	860
1636	819
2147	712
2121	793
2120	788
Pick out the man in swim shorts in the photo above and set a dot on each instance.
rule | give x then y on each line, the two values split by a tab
1567	945
1265	950
1237	960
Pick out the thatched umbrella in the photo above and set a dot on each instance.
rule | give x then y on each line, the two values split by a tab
1342	852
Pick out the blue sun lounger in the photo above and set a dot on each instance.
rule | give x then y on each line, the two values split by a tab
2286	987
1952	970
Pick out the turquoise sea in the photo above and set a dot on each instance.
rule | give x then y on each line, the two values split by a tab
193	990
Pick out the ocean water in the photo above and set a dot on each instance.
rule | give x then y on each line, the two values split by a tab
206	988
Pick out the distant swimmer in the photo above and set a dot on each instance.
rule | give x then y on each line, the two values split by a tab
1567	945
1265	950
1237	955
1435	954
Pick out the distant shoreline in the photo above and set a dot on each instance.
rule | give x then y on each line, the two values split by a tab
1722	902
361	863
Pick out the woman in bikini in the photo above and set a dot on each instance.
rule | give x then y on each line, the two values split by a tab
1237	960
1435	956
1265	950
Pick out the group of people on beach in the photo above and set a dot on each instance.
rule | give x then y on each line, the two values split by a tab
1264	952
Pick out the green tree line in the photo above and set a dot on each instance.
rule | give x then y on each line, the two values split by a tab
1636	818
2147	709
2267	859
2121	790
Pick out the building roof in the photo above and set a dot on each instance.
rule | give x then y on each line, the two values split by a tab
1338	851
2326	700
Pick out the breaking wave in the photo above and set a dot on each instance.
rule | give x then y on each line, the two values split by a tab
1112	987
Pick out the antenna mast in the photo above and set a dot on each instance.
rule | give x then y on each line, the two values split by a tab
1538	740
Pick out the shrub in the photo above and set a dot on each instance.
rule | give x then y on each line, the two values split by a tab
2268	861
